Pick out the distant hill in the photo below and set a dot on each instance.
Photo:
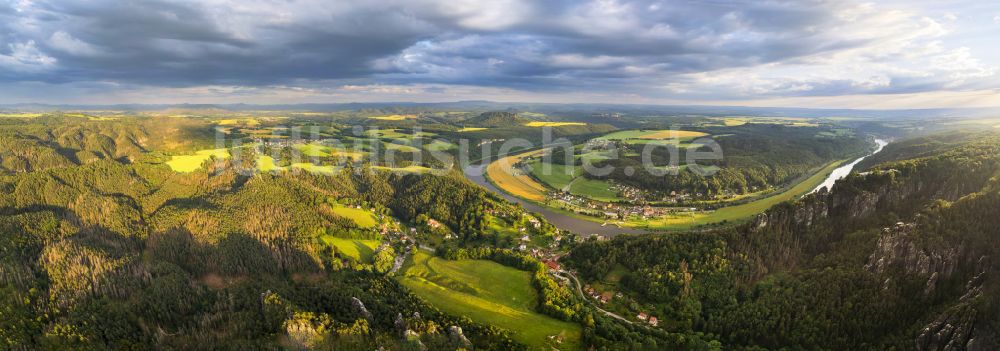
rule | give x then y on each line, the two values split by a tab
546	108
497	119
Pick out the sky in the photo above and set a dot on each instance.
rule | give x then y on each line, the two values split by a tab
798	53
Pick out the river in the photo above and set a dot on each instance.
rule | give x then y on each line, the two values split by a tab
844	170
561	220
581	226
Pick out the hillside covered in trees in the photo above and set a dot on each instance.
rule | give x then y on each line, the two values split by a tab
901	257
104	246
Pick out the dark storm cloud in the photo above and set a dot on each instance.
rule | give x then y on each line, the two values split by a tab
550	45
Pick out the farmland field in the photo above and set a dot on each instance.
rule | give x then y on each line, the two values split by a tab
386	133
250	122
317	150
558	177
502	173
488	293
20	115
652	135
361	250
554	124
191	163
471	129
393	117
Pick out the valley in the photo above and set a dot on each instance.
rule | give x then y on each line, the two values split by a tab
375	229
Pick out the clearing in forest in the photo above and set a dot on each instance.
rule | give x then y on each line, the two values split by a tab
488	293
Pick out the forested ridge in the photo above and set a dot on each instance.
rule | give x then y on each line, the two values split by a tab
117	251
902	257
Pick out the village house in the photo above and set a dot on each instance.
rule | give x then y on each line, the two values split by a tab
605	297
653	321
433	223
642	316
553	265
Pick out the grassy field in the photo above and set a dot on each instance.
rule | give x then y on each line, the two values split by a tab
362	218
386	133
361	250
737	212
594	156
558	177
266	164
681	143
594	189
439	145
191	163
314	168
250	122
393	117
488	293
472	129
399	147
788	121
502	174
20	115
735	121
553	124
652	135
316	150
313	150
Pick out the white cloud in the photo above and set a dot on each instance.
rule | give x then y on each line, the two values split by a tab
25	57
903	52
65	42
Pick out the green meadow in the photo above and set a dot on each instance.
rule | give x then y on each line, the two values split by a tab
489	293
314	168
438	145
362	218
266	164
652	135
594	189
399	147
317	150
386	133
558	176
360	250
191	163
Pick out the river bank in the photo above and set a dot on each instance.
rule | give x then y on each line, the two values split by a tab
826	176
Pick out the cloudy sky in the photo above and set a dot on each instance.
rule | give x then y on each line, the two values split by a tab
894	54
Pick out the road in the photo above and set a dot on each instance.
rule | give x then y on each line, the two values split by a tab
400	258
583	296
